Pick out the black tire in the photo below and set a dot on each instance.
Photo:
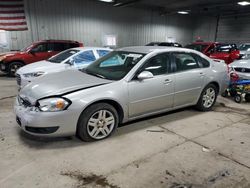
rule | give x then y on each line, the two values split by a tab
247	97
82	126
200	105
13	67
238	98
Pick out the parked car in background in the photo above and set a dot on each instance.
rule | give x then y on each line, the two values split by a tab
127	84
175	44
11	61
74	58
242	68
226	52
244	49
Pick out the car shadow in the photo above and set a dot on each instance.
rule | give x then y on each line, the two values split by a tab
123	129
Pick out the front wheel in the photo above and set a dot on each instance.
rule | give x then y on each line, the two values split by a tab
13	67
97	122
207	98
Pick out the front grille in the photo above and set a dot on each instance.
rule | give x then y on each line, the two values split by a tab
241	69
24	102
18	79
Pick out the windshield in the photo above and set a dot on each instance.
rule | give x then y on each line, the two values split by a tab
244	47
115	65
62	56
27	48
197	47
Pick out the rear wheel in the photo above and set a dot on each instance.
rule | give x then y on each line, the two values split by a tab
13	67
238	98
207	98
247	97
97	122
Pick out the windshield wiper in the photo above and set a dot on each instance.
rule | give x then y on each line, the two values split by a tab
52	61
93	74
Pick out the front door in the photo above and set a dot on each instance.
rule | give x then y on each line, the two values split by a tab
153	94
38	53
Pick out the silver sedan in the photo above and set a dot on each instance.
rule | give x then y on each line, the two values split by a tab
125	85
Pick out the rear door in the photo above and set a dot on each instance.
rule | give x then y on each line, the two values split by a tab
189	78
154	94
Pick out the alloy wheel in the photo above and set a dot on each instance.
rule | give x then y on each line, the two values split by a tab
101	124
208	97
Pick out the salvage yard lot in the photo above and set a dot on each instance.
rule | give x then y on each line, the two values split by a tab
185	148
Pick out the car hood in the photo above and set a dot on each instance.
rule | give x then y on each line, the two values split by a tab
43	66
12	53
241	63
60	83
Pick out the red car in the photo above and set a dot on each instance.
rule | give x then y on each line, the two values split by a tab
226	52
41	50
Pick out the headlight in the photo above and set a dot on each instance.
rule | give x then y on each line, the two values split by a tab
53	104
2	58
33	74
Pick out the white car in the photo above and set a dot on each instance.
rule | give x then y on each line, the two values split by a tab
241	67
74	58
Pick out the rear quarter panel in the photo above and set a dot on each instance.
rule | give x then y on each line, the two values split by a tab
218	72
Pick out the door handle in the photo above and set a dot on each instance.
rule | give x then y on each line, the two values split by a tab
202	74
167	81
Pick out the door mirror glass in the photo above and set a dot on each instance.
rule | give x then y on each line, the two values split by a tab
145	75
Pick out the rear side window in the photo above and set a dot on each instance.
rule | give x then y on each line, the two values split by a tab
84	57
73	45
59	46
102	52
204	63
185	61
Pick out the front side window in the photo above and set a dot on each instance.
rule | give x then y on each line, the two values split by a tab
115	65
40	48
62	56
84	57
185	61
157	65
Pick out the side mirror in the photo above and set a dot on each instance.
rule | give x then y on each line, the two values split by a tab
70	62
145	75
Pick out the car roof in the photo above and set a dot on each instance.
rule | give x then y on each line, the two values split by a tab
206	43
149	49
91	48
54	40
